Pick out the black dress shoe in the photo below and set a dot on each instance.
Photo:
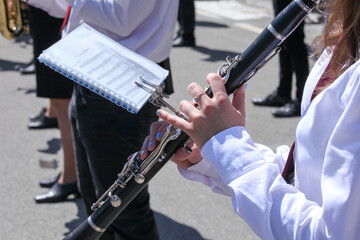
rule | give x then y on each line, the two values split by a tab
273	100
35	117
28	69
291	109
48	183
43	122
184	41
57	193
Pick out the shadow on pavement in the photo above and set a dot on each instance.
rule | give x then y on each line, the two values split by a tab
210	24
168	228
214	55
6	65
171	230
53	146
26	90
25	38
81	216
22	42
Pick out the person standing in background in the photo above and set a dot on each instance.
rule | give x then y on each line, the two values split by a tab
105	134
310	191
185	36
45	24
293	59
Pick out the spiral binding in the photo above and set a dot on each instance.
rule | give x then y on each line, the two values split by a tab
89	84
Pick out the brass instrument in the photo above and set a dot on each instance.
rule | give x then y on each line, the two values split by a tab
13	18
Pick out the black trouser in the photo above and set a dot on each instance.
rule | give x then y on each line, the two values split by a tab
293	58
104	136
45	31
186	18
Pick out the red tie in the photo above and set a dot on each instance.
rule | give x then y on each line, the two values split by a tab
288	172
67	14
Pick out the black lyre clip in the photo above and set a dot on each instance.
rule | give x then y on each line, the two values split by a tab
157	96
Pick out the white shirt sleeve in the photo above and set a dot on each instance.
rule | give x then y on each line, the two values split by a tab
277	210
55	8
126	15
143	26
205	172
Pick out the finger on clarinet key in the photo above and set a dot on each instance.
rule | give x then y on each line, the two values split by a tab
161	130
129	157
144	151
173	119
194	89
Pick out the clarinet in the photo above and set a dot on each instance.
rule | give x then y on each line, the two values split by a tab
137	173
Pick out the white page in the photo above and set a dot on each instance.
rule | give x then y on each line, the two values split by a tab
89	55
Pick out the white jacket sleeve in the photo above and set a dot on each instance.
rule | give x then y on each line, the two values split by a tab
55	8
252	177
126	15
204	171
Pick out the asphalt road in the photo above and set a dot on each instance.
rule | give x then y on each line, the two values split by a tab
184	210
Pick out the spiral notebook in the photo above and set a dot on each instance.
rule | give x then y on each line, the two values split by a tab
104	66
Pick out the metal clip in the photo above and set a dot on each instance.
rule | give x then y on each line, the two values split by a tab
225	69
157	97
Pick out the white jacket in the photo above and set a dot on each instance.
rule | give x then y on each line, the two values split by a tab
324	203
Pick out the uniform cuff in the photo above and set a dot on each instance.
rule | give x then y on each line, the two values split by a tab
232	153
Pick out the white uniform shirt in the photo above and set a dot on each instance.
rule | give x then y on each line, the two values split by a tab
132	23
55	8
325	201
143	26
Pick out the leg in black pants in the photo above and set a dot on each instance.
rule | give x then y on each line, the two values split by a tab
186	18
104	136
293	58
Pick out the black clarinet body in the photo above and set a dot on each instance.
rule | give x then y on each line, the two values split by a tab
270	39
100	219
137	173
